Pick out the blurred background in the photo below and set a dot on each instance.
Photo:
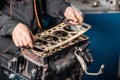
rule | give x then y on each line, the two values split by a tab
104	17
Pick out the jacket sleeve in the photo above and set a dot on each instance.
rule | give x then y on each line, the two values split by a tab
6	24
56	8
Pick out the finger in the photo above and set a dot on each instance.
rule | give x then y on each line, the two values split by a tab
80	19
72	22
73	17
70	15
32	36
78	15
20	43
34	39
24	41
29	40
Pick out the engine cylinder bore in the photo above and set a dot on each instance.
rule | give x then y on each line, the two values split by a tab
50	39
60	33
70	28
40	45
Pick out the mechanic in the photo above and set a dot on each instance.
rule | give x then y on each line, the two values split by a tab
20	20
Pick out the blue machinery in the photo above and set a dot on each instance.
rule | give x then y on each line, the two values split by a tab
105	40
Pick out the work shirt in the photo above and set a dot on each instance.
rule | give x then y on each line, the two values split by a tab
23	11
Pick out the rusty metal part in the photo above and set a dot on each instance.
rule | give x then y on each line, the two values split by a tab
84	65
56	39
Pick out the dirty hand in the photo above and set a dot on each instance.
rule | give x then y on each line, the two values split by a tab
22	36
74	15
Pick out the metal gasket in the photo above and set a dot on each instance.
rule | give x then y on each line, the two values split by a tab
58	38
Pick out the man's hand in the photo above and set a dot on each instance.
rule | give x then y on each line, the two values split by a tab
22	36
74	15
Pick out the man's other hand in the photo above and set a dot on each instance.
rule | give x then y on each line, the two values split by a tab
22	36
74	15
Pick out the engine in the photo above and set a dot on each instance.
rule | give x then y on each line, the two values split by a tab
60	53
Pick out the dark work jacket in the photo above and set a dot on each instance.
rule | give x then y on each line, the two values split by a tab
23	11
